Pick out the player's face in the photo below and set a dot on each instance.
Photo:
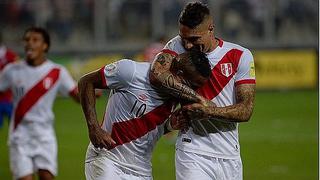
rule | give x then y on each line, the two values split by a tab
188	74
34	46
200	37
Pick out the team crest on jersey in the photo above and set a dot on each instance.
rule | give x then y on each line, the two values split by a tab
110	69
47	82
226	69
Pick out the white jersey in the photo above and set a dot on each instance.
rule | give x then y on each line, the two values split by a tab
34	90
135	115
231	65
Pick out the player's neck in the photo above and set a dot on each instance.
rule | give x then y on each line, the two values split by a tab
215	43
36	62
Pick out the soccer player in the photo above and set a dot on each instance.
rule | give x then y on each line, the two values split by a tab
210	148
6	56
121	147
35	82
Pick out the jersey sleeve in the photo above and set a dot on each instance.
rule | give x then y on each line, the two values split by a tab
246	70
174	46
67	83
118	75
5	78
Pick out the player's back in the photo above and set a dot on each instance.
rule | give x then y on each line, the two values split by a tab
134	115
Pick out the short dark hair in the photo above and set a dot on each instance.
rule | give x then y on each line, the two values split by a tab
200	62
43	32
193	14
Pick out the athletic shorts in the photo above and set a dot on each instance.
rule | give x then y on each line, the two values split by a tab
191	166
99	167
27	158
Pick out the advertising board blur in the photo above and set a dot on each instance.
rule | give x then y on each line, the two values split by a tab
286	69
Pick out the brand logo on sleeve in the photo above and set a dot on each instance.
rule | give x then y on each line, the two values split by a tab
226	69
110	69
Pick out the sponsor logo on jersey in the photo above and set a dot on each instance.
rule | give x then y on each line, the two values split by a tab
143	97
186	140
226	69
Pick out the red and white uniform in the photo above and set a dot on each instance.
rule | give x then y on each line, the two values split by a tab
231	66
31	128
134	116
6	56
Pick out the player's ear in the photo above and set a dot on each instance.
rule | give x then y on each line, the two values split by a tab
45	47
211	27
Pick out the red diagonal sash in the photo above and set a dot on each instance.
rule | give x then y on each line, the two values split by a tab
127	131
34	94
218	81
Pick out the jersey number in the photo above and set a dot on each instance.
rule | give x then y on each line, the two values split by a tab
140	110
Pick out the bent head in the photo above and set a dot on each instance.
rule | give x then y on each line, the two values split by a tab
196	27
36	43
192	68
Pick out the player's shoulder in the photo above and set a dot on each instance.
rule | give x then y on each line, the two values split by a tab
175	44
127	64
50	64
229	45
15	65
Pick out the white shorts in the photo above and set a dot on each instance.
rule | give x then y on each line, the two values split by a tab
190	166
99	167
28	158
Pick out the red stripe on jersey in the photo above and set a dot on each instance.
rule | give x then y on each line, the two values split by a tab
34	94
246	81
169	52
217	80
104	81
127	131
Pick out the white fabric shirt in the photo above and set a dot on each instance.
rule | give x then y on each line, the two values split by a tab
26	83
231	65
134	116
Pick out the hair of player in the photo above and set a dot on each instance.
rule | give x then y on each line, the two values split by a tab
200	62
193	14
43	32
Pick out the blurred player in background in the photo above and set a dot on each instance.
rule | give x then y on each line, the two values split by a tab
210	148
150	52
135	115
6	56
35	82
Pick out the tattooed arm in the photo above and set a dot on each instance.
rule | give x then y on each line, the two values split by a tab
239	112
87	84
161	77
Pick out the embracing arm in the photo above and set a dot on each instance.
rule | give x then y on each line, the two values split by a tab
87	85
239	112
161	77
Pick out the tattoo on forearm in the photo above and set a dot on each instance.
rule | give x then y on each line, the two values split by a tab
161	59
167	82
241	111
179	90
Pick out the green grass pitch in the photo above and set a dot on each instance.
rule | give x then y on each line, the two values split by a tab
279	142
